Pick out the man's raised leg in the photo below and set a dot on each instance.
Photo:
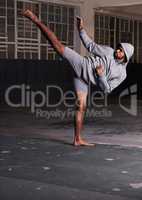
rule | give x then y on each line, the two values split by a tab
57	45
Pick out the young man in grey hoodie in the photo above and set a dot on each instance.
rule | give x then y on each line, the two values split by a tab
105	67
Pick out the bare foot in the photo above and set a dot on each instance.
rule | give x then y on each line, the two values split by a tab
27	13
82	143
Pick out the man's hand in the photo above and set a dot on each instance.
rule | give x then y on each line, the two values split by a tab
100	70
80	25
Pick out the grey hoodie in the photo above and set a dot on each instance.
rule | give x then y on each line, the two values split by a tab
114	70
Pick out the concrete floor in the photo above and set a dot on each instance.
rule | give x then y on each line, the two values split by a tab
37	160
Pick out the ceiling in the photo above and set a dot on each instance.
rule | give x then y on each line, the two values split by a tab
135	10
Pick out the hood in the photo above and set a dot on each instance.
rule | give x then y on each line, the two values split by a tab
128	49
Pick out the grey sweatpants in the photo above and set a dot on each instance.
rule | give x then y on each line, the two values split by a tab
80	66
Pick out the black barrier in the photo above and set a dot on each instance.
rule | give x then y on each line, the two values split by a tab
37	74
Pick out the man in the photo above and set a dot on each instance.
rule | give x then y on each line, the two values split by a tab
105	67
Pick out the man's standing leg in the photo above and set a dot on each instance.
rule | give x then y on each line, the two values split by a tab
79	117
81	93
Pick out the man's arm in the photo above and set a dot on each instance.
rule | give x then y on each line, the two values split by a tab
108	85
102	81
103	84
90	45
116	81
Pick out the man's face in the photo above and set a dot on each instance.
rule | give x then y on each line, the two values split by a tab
119	53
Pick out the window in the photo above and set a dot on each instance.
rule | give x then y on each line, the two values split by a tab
3	30
111	30
27	33
21	39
